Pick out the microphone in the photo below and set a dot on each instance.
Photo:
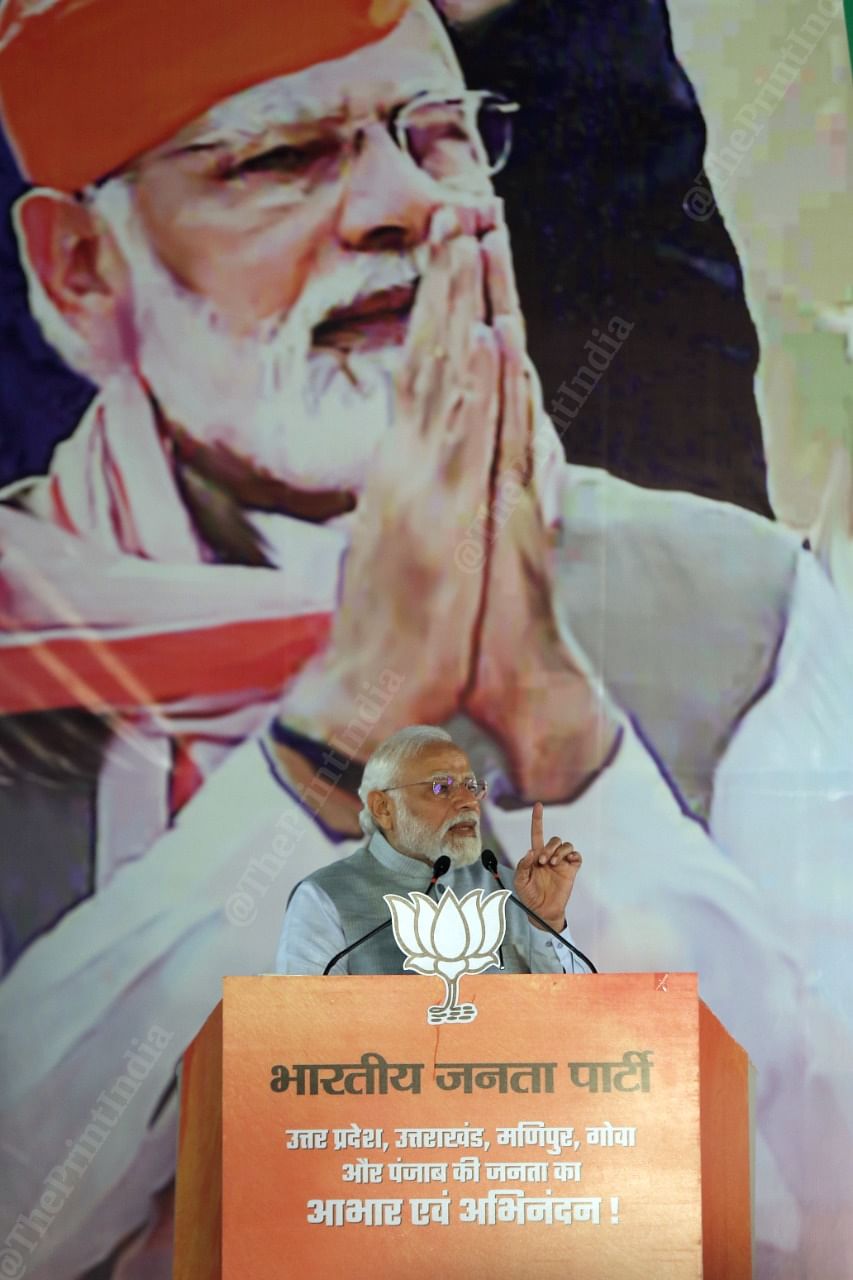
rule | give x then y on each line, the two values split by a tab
490	862
440	868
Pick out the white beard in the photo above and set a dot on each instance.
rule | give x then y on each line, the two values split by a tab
292	410
418	838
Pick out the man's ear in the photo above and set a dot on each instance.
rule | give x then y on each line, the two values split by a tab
381	810
72	252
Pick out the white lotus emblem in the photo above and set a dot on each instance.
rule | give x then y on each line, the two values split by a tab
449	938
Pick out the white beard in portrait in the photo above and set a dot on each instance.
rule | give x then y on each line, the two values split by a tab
307	414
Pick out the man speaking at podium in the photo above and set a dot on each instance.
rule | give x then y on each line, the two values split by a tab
421	801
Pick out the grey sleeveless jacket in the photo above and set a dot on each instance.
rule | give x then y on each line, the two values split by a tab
356	885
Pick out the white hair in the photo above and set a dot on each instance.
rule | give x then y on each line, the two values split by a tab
383	766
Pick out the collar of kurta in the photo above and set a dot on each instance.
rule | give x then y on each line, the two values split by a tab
408	869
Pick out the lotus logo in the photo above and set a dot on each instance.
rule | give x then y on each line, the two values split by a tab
449	938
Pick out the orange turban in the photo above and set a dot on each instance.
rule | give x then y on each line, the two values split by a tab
86	85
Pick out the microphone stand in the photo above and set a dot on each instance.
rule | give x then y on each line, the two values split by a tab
440	867
490	862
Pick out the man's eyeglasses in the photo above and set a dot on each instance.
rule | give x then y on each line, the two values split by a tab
457	139
443	786
444	135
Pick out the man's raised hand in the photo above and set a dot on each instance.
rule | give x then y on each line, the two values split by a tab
531	688
545	876
406	604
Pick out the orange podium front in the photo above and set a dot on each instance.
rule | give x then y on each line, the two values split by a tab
588	1126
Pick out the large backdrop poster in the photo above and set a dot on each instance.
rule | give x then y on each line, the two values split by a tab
373	363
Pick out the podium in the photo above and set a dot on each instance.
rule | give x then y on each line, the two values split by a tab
580	1126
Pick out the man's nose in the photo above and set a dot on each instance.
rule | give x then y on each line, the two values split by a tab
388	201
462	798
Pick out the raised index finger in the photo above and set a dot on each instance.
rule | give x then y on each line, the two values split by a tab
536	827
